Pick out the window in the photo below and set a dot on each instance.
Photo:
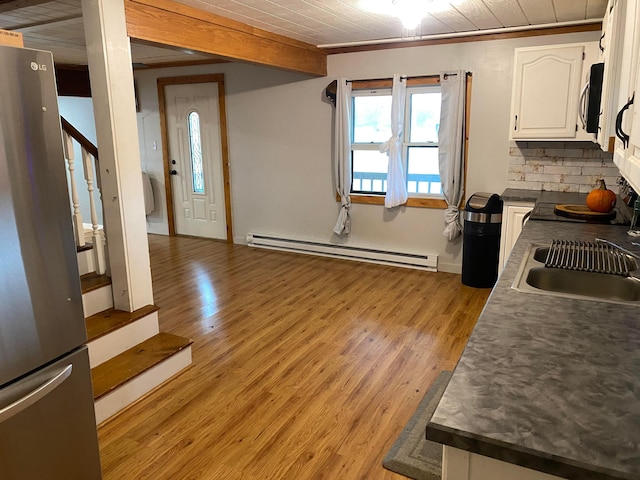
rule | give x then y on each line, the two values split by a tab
372	127
195	152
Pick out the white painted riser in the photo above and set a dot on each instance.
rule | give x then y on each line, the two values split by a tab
125	395
97	300
108	346
85	262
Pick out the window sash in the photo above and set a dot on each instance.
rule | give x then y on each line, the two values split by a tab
360	181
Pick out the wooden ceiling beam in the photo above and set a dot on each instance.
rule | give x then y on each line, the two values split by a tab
170	23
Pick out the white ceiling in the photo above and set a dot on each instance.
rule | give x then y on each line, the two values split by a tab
329	22
56	25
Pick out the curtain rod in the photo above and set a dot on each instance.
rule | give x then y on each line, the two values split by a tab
404	77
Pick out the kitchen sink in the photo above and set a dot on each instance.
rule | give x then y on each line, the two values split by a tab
534	277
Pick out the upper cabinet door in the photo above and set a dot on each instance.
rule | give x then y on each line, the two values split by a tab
611	45
546	92
630	119
626	154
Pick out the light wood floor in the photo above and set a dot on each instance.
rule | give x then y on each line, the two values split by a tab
303	367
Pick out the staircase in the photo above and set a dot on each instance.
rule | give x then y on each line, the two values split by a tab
128	354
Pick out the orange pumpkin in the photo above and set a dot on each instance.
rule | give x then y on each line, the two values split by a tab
601	199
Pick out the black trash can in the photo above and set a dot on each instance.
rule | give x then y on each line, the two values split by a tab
481	241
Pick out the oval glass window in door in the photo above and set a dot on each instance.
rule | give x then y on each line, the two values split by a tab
195	146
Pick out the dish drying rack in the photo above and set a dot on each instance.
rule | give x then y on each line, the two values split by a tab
598	257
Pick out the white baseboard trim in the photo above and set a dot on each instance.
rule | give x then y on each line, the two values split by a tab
450	268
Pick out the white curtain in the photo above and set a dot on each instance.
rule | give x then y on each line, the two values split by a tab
396	183
342	155
451	148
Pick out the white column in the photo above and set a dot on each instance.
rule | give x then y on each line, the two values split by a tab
111	75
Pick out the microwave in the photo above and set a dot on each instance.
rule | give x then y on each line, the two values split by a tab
590	99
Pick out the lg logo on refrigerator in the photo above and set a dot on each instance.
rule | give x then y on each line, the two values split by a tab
35	67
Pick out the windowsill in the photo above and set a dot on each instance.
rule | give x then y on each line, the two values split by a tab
421	202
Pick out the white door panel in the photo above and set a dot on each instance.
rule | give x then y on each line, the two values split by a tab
193	127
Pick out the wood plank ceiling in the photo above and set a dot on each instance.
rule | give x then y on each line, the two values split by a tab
56	25
330	22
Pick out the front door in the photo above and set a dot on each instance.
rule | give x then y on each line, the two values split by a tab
195	157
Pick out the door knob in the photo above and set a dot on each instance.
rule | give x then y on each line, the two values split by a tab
173	172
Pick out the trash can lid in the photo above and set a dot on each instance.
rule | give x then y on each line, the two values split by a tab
483	202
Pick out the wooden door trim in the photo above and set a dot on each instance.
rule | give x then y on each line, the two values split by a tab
224	143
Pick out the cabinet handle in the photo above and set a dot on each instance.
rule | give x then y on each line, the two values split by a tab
583	105
515	124
600	43
624	138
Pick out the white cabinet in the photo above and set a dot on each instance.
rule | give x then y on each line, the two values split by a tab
462	465
611	47
631	165
546	91
627	144
514	216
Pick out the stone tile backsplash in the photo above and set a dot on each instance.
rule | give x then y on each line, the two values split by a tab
560	166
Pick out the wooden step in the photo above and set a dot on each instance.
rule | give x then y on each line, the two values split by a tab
84	248
96	293
119	382
111	332
92	281
107	321
126	366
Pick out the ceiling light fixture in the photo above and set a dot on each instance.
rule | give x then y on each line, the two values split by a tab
410	12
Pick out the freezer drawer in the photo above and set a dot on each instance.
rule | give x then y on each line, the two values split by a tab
47	424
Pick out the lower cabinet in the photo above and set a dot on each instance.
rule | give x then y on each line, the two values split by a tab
462	465
514	216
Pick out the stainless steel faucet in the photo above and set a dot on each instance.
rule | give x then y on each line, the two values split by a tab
619	248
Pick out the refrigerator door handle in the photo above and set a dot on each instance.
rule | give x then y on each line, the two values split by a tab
32	397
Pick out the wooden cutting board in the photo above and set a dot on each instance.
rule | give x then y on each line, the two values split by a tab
582	212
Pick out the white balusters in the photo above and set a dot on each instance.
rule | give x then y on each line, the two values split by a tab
70	136
96	235
77	216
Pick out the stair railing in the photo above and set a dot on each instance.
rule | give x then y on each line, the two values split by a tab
89	161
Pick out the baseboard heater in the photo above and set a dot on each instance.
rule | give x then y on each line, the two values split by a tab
398	259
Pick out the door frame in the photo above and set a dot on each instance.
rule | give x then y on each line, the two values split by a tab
224	144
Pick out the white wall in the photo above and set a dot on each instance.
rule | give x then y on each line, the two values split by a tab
280	144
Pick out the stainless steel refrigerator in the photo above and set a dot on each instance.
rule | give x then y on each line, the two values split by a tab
47	423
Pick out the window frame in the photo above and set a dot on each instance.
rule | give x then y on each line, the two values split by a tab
415	201
361	146
407	143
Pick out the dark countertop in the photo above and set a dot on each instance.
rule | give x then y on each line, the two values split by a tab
546	201
539	196
549	383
